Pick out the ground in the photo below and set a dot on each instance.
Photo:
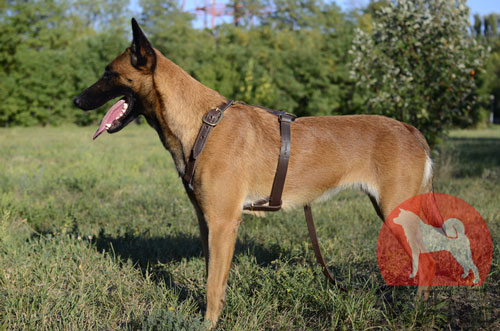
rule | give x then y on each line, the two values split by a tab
100	235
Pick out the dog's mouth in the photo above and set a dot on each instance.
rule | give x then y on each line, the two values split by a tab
117	117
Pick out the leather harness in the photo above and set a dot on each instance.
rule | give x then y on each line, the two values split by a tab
273	202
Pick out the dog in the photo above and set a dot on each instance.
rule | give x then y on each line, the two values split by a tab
388	159
424	238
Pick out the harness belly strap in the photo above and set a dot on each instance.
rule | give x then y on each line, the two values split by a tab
274	201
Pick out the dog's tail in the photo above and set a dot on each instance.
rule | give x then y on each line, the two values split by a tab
429	203
426	186
420	137
454	228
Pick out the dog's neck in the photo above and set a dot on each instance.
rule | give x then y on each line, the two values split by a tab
180	102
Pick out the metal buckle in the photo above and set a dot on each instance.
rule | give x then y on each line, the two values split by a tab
221	115
284	116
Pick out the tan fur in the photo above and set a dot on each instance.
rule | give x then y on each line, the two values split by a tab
385	157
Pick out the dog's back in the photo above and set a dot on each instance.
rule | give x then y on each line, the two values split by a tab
375	153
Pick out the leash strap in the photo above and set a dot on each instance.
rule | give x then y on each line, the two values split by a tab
210	120
317	249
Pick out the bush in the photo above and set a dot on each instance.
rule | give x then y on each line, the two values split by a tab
419	64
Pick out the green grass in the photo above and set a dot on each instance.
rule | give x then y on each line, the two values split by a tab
100	235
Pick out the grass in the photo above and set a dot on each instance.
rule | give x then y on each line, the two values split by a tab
100	235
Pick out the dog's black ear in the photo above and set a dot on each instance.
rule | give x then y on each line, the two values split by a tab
142	54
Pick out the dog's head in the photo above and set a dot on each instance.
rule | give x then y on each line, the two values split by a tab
129	76
405	217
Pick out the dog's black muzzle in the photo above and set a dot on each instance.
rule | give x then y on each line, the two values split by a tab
78	102
99	93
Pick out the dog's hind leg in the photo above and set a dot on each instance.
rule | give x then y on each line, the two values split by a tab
393	191
430	209
376	206
464	258
476	273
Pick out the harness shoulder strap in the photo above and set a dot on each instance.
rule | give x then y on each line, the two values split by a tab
210	120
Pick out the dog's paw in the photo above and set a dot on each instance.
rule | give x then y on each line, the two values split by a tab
413	274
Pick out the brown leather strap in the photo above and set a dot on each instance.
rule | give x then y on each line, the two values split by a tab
317	249
210	120
279	179
273	203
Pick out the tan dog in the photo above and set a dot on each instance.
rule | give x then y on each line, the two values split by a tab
386	158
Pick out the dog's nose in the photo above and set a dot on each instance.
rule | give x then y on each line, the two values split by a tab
76	101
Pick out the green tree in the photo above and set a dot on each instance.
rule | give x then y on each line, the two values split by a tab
247	12
33	30
300	69
491	25
46	58
52	49
297	14
490	78
419	65
478	24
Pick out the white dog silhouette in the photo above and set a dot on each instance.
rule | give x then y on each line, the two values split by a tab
424	238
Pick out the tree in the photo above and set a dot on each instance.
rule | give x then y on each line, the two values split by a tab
490	78
297	14
478	24
49	51
247	12
420	65
491	25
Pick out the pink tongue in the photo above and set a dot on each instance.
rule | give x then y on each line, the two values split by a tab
110	116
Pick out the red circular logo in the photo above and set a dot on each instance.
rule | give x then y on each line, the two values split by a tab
434	239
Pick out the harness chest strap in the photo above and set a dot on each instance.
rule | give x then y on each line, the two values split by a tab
210	120
274	202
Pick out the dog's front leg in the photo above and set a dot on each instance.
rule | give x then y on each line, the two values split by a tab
414	258
221	242
202	223
204	238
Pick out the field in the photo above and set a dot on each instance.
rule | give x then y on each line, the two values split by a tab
100	235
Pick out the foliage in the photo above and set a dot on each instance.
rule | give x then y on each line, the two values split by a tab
487	32
48	53
294	57
299	67
299	70
419	65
